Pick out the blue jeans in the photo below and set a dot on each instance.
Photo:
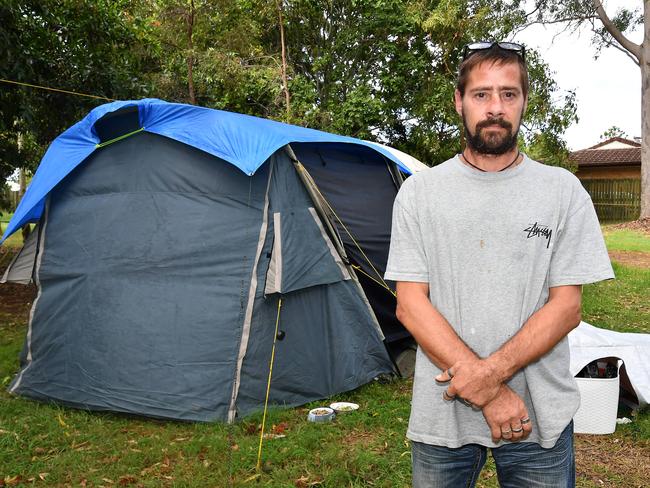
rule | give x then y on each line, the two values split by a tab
519	465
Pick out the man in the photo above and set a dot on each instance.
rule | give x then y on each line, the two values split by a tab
489	251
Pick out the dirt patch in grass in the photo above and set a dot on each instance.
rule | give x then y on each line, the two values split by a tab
612	461
358	438
635	259
642	225
15	300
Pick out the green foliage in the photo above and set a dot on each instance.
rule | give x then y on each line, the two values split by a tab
613	131
375	69
386	71
67	44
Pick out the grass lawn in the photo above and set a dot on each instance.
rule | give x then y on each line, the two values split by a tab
47	445
626	239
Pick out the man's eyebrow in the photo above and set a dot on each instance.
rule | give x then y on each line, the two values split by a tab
490	88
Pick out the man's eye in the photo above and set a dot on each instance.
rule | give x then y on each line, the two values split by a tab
509	95
480	95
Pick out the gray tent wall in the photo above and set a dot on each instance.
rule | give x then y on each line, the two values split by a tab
147	302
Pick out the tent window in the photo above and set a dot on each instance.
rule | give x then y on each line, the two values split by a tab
118	123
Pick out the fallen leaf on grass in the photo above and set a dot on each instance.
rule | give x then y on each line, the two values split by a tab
42	476
80	446
302	482
254	477
279	428
12	480
108	480
127	480
274	436
61	421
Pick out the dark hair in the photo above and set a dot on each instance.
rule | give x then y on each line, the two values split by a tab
493	55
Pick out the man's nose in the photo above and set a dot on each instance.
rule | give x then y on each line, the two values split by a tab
495	108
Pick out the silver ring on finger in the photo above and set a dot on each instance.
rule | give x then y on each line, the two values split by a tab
525	421
518	430
447	397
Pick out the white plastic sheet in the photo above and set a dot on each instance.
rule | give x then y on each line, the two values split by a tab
589	343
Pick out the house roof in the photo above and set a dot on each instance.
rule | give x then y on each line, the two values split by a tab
616	151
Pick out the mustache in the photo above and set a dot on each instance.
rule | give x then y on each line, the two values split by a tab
493	121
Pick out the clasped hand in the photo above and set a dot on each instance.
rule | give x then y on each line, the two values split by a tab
474	381
477	384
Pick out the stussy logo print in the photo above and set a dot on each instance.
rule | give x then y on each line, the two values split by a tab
537	230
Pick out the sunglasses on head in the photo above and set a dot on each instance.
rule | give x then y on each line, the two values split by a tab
474	47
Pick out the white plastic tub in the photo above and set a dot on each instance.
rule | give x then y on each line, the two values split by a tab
598	405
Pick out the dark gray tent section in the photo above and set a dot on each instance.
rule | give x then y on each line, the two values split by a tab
160	271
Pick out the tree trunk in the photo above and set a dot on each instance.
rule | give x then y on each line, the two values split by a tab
287	100
22	182
644	64
190	54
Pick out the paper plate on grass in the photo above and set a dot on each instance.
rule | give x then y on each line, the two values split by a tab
343	407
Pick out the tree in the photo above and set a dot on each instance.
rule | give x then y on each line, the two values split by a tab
81	46
611	31
208	52
385	70
613	131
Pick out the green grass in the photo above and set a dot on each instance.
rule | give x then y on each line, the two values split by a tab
626	240
71	446
68	447
622	304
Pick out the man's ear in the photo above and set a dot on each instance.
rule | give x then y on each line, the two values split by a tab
458	101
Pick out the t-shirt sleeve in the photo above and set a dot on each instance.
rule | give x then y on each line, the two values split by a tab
406	258
579	254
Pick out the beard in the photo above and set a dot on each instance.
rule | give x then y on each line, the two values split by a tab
491	142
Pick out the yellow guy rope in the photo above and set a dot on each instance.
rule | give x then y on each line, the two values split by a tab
268	386
383	285
56	90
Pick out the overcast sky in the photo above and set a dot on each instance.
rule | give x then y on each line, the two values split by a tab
608	89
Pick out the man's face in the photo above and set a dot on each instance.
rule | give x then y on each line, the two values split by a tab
492	107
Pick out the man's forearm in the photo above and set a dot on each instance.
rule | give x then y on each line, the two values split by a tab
444	348
541	332
430	329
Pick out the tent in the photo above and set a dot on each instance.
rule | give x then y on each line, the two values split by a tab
172	239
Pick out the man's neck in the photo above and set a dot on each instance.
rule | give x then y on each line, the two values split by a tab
491	162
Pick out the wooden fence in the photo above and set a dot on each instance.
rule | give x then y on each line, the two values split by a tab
615	200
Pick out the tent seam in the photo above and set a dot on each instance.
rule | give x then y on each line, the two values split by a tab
243	345
39	258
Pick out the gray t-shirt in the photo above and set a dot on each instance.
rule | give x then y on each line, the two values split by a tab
490	245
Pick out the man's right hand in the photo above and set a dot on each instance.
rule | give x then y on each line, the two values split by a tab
505	415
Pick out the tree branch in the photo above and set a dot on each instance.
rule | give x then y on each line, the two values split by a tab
631	47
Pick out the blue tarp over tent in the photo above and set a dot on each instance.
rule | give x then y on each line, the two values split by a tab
243	140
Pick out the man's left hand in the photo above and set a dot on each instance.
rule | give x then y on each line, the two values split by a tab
474	381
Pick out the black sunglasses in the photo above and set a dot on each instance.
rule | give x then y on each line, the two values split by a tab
474	47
